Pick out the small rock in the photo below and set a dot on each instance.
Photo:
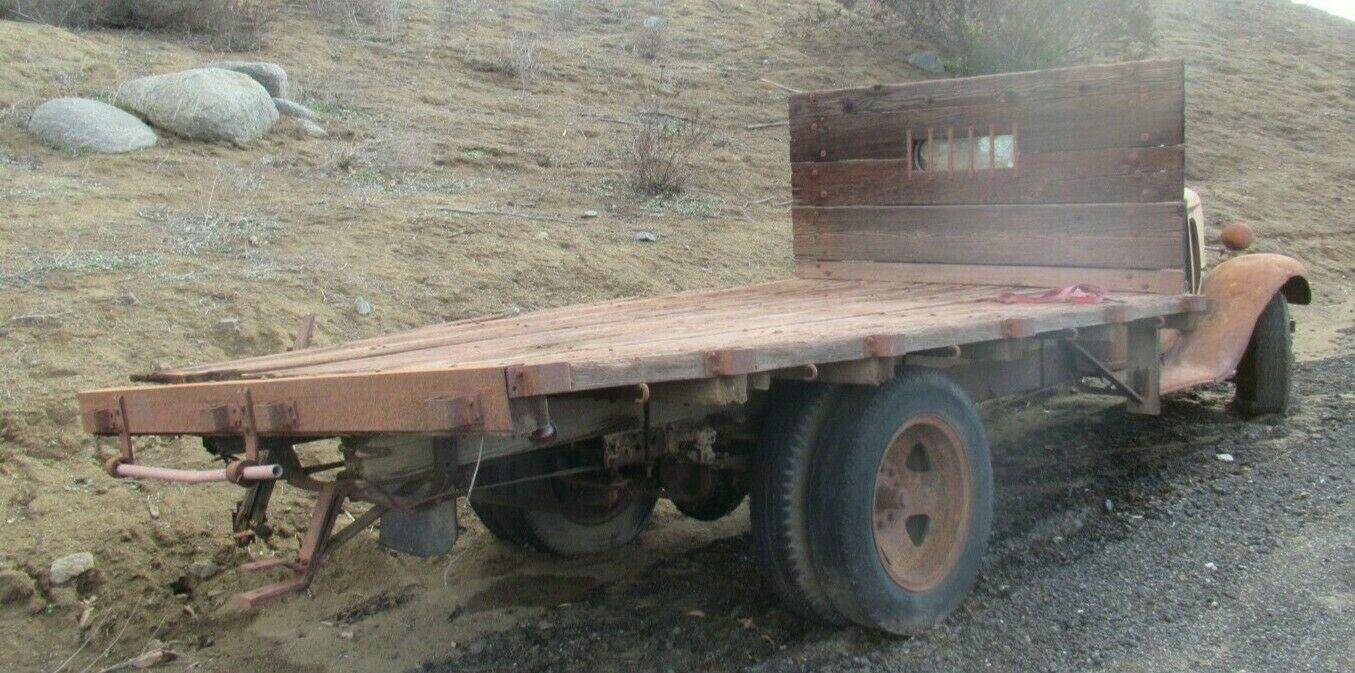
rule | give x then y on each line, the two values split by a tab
203	104
1211	566
85	125
646	236
204	569
70	567
927	61
1108	506
271	76
15	586
229	325
654	23
312	129
127	299
589	214
291	108
362	306
1224	457
696	613
346	635
151	659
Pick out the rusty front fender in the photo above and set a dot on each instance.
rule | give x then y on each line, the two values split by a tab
1238	290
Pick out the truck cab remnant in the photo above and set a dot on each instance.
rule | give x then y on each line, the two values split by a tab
955	241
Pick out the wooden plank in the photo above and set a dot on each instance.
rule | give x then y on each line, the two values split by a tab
1162	281
1093	219
990	89
1094	235
794	348
490	328
1008	187
1081	176
325	405
1100	252
710	321
1144	373
1148	119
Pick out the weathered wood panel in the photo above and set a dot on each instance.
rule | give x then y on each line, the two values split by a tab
1163	281
1131	77
1094	235
1109	135
1148	119
1113	175
842	186
408	401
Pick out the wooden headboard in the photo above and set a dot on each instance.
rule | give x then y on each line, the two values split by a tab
1043	178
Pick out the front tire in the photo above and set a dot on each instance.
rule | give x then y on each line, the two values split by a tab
1264	375
901	502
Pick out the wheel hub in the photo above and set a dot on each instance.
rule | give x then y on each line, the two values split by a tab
922	501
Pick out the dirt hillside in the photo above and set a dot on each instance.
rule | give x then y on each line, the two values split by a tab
450	187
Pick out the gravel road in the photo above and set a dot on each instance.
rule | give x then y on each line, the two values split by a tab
1191	541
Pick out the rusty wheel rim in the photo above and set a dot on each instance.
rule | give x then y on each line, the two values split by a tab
921	507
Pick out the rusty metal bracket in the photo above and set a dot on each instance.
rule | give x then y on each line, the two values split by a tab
317	543
1105	372
730	361
115	420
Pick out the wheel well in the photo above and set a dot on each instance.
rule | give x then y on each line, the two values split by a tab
1296	290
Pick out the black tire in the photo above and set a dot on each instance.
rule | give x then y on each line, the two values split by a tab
846	501
559	532
779	485
1264	375
504	523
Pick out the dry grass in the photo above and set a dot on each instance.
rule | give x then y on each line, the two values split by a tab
648	40
225	24
522	57
658	154
1009	35
382	19
388	151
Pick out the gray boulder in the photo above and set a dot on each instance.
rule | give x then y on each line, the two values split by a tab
270	75
70	567
927	61
291	108
312	129
84	125
204	104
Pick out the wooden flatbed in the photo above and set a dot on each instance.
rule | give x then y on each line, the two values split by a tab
738	331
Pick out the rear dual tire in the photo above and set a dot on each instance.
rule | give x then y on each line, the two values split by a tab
562	530
874	505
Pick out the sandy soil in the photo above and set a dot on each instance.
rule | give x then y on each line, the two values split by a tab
190	252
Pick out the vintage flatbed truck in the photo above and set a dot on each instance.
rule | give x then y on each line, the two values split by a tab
928	217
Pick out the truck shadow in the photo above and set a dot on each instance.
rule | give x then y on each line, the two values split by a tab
1072	475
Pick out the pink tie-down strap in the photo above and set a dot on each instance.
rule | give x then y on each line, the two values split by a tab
1073	294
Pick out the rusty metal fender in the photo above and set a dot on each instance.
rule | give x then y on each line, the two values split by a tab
1238	290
